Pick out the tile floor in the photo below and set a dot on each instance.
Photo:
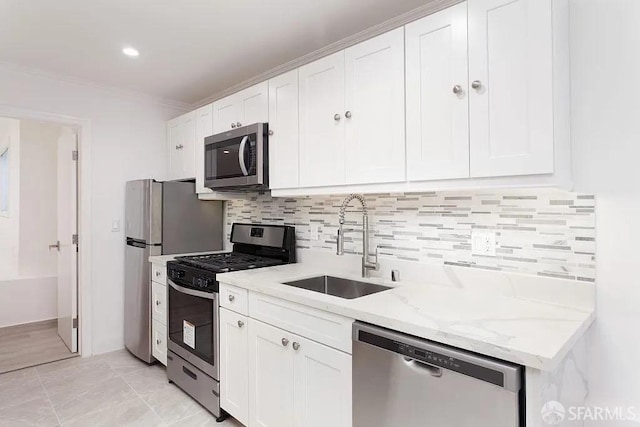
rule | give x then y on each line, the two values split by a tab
113	389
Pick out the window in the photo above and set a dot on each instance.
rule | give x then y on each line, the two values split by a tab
4	183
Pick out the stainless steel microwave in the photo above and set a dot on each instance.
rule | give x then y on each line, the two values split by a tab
238	158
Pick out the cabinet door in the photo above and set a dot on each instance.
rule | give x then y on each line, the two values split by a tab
323	385
511	109
253	104
226	112
188	146
437	96
283	131
159	345
322	159
271	376
374	110
204	128
234	361
174	140
159	302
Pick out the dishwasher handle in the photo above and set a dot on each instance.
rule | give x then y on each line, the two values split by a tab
429	356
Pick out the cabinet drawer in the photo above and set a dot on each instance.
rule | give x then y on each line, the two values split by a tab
159	345
159	273
326	328
234	298
159	302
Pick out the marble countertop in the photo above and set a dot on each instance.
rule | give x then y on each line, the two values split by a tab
531	333
163	259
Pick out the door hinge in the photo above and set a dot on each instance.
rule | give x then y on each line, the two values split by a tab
74	239
75	323
74	155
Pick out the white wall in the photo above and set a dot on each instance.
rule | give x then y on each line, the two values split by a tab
10	223
28	299
38	198
606	142
128	142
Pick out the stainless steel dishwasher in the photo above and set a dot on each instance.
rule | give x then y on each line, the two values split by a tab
400	380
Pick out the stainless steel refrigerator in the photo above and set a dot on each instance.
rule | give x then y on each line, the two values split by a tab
161	218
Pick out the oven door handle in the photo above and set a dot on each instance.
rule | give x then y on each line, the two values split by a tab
243	166
192	292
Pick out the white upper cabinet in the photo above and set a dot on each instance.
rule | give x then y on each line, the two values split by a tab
243	108
181	135
374	110
437	96
204	128
511	99
322	160
283	131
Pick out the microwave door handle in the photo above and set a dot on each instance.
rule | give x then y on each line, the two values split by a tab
243	166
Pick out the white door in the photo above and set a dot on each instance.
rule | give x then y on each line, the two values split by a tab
374	110
204	128
322	385
438	96
188	146
234	361
174	139
253	104
67	243
283	131
511	100
322	160
226	113
271	376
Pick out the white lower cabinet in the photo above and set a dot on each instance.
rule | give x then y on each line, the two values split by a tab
159	345
270	377
234	352
159	313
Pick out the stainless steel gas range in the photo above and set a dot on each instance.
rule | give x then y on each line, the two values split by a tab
193	347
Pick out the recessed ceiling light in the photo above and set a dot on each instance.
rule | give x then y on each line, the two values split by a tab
129	51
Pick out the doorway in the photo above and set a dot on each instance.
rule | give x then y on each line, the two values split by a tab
38	242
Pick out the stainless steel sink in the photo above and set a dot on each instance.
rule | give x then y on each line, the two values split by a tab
336	286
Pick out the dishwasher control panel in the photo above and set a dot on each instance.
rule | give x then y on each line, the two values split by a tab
438	359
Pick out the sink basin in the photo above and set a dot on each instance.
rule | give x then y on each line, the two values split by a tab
343	288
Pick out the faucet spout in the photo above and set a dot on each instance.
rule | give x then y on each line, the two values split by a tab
367	265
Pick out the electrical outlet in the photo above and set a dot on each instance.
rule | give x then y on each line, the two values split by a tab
314	231
483	242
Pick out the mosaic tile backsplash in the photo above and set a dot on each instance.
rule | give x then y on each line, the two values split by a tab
539	232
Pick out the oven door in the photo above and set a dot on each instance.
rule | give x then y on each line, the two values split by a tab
237	158
194	327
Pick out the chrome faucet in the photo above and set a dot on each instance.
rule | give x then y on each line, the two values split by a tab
367	265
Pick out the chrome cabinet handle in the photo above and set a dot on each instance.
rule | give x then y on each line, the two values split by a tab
157	302
476	84
296	346
347	114
457	89
270	132
158	342
233	125
336	117
240	323
157	274
238	124
231	298
285	342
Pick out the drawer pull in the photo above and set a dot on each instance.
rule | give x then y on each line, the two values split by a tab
158	342
285	342
191	374
157	302
296	346
240	323
231	298
158	274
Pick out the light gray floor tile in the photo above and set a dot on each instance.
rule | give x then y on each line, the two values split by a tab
21	375
132	413
18	391
122	361
205	419
74	362
148	380
103	395
172	404
36	412
66	384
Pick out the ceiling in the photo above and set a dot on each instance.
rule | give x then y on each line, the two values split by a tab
189	49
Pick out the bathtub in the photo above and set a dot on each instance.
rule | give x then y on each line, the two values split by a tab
28	299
